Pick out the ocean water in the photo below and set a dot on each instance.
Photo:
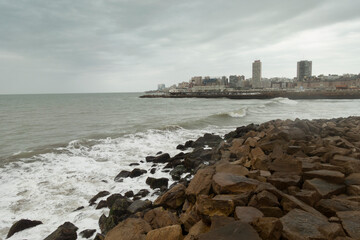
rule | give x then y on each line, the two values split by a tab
59	150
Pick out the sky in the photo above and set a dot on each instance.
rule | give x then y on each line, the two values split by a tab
80	46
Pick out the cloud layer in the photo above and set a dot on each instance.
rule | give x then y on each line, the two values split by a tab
132	45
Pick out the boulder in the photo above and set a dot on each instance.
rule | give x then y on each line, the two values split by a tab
142	193
199	228
238	199
350	164
247	214
197	157
177	172
121	175
21	225
210	140
232	168
329	207
157	182
350	221
232	231
87	233
259	160
173	198
283	180
324	188
269	228
137	172
308	196
226	183
327	175
220	221
67	231
200	184
163	158
129	194
99	195
138	205
189	217
120	206
353	190
298	224
173	232
287	164
266	198
101	204
353	179
130	229
159	217
112	198
207	206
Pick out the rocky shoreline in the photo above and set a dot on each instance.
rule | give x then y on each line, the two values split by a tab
278	180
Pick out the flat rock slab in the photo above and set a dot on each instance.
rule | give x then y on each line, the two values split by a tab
247	214
232	231
200	184
350	164
327	175
232	168
229	183
351	223
353	179
282	180
329	207
324	188
298	224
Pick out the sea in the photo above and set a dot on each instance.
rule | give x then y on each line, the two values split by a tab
59	150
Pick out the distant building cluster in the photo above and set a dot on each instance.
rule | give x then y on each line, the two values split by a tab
303	80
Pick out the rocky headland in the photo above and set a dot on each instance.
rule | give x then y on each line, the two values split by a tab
278	180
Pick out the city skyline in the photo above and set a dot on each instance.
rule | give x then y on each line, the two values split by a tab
131	46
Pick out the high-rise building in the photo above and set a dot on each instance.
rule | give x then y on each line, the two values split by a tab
304	69
256	74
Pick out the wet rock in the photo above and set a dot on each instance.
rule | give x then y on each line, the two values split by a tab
210	140
112	198
181	147
189	144
21	225
121	175
232	231
173	198
134	164
87	233
163	158
247	214
79	208
157	182
225	183
173	232
327	175
101	204
159	217
153	170
200	184
324	188
131	228
120	206
142	193
269	228
99	195
129	194
298	224
137	172
67	231
99	236
197	157
139	205
177	172
350	221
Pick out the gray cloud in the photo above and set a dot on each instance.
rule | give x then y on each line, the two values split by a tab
129	45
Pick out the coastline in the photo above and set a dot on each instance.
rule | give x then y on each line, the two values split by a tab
294	95
259	178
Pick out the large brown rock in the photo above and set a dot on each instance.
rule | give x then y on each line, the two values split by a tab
247	214
237	199
259	160
207	206
199	228
327	175
308	196
350	164
350	221
288	164
329	207
232	231
283	180
130	229
200	184
353	179
189	217
67	231
298	224
173	198
269	228
173	232
159	217
324	188
229	183
232	168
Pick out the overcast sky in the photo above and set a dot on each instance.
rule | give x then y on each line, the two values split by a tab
63	46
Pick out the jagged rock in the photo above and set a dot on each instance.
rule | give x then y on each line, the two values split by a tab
173	232
177	172
350	221
189	217
137	172
298	224
142	193
327	175
130	229
173	198
353	179
220	221
87	233
238	199
200	184
153	170
99	195
159	217
120	206
247	214
232	231
157	182
266	199
67	231
324	188
350	164
197	157
21	225
121	175
199	228
225	183
237	149
283	180
329	207
210	140
271	212
269	228
207	206
138	205
307	196
232	168
287	165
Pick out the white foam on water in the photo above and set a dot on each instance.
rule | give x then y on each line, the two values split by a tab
238	114
48	187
